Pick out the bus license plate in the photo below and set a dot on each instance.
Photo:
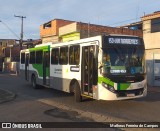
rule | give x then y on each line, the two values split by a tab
130	95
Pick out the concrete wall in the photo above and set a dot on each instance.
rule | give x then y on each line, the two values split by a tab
68	29
152	40
71	37
54	39
152	46
150	65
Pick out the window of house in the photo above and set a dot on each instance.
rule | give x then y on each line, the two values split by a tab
155	25
47	25
3	50
63	56
39	57
32	57
74	55
55	56
22	58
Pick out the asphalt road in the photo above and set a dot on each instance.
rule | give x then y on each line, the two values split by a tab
29	106
139	110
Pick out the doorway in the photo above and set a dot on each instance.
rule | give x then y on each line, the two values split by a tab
156	69
27	66
89	68
46	67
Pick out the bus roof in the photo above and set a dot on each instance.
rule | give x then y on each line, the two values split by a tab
90	39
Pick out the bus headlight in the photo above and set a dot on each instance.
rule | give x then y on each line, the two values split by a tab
110	88
104	85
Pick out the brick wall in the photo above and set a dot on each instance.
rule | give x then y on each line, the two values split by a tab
108	30
54	29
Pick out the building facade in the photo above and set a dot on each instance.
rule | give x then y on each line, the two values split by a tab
9	54
151	36
59	30
49	32
5	49
79	30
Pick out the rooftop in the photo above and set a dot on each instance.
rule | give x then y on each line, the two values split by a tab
151	16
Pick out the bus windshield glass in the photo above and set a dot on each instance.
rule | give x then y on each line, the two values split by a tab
122	59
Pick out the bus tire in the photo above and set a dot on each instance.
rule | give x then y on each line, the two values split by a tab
77	93
34	84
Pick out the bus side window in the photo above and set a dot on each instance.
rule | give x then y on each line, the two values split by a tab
55	56
22	58
39	57
32	57
63	55
74	55
77	55
71	55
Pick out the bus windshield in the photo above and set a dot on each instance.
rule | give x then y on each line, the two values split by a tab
121	59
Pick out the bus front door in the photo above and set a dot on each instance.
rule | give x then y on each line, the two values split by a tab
89	69
27	66
46	65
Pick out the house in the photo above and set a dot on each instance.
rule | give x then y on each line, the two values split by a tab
151	36
59	30
49	31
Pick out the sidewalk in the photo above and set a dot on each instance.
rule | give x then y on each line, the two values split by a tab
154	89
6	96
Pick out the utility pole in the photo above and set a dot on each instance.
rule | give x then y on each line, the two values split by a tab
21	35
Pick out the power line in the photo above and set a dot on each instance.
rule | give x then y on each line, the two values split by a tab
122	21
10	29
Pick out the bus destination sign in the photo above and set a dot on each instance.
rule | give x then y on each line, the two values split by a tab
124	40
113	40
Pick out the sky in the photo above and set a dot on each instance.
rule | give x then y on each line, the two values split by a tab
37	12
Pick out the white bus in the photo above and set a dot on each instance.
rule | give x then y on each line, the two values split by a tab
102	67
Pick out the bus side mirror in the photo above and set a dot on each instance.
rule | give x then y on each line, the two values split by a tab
101	68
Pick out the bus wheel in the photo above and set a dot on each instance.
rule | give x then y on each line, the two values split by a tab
77	93
34	85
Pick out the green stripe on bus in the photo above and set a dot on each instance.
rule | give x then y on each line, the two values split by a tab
44	48
39	68
123	86
106	80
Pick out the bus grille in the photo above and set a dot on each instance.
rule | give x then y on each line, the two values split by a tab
125	93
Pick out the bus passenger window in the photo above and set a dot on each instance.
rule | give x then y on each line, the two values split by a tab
55	56
32	57
22	58
77	55
74	55
39	57
71	55
63	56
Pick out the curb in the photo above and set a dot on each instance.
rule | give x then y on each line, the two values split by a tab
6	96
